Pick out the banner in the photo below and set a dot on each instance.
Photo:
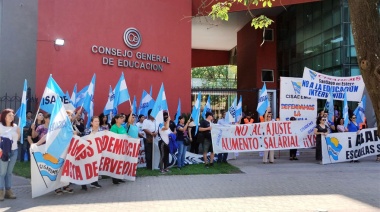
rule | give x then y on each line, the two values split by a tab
317	85
292	103
342	147
274	135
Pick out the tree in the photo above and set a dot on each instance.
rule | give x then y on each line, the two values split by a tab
365	21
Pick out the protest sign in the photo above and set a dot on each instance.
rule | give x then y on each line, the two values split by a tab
317	85
293	104
274	135
341	147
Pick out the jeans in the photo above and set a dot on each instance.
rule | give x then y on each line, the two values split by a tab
23	148
181	156
6	169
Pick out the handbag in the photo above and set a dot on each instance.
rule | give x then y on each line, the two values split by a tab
186	141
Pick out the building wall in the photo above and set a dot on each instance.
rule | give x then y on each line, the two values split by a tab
202	58
18	35
83	24
251	59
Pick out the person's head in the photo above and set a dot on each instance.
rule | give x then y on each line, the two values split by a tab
341	121
326	114
141	118
209	116
353	118
47	118
103	119
40	117
249	115
321	120
149	116
269	116
181	119
321	112
95	121
166	116
292	118
132	119
119	119
7	117
223	112
29	114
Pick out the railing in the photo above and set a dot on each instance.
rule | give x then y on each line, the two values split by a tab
14	101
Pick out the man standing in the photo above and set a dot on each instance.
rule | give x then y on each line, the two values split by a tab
205	128
150	128
222	157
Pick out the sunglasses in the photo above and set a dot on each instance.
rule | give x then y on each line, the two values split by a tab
324	119
353	117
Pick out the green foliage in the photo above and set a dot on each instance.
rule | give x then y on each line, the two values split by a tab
261	22
216	76
220	10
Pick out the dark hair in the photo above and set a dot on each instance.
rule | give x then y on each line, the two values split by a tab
208	114
149	111
319	118
166	116
117	116
141	115
47	116
4	113
179	118
101	116
293	118
29	111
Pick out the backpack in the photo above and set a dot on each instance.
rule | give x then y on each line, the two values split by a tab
173	146
6	146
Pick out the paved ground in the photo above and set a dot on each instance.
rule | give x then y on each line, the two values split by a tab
284	186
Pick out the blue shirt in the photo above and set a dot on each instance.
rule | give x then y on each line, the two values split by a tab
133	131
352	127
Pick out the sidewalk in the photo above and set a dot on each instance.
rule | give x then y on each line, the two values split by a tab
286	185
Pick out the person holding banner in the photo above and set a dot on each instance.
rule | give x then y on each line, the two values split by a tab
118	129
104	122
353	127
340	125
205	128
267	118
319	130
150	129
94	128
8	152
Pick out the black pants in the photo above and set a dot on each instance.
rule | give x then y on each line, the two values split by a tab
164	154
194	148
318	149
293	153
148	154
23	148
222	157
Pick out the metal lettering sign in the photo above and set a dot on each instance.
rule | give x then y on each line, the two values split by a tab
132	38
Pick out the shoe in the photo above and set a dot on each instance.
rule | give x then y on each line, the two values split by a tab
95	185
356	161
67	189
167	170
271	162
9	194
290	158
115	182
211	164
2	193
58	192
206	165
351	161
122	181
162	172
179	168
295	158
84	188
378	159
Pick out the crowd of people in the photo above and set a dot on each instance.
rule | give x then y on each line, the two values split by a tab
147	130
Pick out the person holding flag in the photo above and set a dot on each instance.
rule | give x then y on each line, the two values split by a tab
10	134
150	128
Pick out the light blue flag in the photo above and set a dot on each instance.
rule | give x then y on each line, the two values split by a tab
109	105
345	110
121	92
21	113
263	103
59	133
69	105
359	111
178	111
74	95
330	106
333	148
88	103
150	92
159	106
146	103
239	109
80	96
49	97
207	107
231	113
134	106
195	113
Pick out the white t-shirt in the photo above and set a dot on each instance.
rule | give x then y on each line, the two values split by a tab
165	135
149	125
140	126
11	133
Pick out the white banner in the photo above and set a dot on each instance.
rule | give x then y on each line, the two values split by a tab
342	147
274	135
317	85
294	104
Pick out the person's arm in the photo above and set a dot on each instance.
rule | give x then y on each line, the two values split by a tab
41	141
189	133
166	124
184	128
29	138
34	131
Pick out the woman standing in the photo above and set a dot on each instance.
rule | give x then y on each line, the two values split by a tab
131	128
353	127
163	144
95	127
181	134
319	130
340	125
104	122
33	127
118	129
10	131
268	117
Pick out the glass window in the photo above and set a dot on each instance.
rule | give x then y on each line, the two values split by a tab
267	75
327	5
327	59
336	16
327	37
327	21
336	57
355	71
